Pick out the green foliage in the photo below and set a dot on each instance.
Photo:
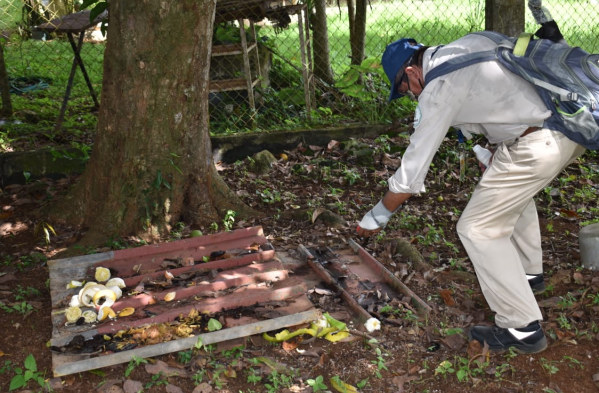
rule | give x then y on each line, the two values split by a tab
379	362
317	384
157	380
229	220
445	368
549	366
22	294
278	380
30	373
133	363
184	357
214	325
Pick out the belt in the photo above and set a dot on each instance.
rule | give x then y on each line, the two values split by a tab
530	130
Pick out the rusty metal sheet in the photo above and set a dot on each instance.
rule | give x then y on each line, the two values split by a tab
243	271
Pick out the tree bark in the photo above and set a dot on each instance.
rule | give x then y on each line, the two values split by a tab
505	16
152	163
6	110
322	61
357	30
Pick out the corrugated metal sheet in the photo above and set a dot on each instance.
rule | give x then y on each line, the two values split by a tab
242	271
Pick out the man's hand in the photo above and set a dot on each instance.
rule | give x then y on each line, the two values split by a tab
375	220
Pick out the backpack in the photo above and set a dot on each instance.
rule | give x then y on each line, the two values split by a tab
566	79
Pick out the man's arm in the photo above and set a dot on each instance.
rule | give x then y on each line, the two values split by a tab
371	223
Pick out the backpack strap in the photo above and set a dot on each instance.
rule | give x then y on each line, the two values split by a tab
458	63
469	59
522	44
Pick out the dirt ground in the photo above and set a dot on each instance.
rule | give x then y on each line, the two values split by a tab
411	352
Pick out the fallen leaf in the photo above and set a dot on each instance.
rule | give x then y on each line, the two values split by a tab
317	212
56	384
230	373
446	296
400	380
7	278
474	348
569	213
131	386
173	389
162	367
105	388
289	346
203	388
390	162
561	276
455	341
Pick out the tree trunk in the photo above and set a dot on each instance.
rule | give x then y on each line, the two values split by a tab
357	30
322	61
152	163
505	16
6	110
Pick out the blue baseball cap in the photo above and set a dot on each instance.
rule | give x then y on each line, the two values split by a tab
395	56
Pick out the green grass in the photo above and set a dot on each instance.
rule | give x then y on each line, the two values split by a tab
429	22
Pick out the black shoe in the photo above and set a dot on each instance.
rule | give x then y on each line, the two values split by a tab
529	339
536	283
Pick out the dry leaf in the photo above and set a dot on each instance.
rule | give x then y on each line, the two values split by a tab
289	346
447	298
173	389
400	380
165	369
455	341
203	388
332	145
131	386
106	387
317	212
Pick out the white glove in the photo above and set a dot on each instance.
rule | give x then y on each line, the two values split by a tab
376	218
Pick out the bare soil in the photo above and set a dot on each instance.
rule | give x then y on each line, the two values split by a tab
411	353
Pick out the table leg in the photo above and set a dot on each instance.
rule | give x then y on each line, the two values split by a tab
67	94
77	51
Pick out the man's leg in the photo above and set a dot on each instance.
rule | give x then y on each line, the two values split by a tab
518	172
527	240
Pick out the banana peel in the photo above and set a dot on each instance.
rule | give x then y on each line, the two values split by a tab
286	335
343	387
336	331
334	337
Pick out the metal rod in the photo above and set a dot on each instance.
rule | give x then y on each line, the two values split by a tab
358	310
77	51
67	94
302	38
388	277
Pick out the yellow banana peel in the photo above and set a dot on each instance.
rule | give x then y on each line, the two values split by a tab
285	335
334	337
343	387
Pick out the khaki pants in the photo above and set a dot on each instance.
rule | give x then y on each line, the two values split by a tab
500	227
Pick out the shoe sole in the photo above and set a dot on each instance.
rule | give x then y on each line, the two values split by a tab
537	347
538	289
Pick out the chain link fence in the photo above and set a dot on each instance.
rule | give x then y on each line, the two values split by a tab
275	65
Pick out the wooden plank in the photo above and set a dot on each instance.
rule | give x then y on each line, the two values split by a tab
230	84
185	343
229	49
